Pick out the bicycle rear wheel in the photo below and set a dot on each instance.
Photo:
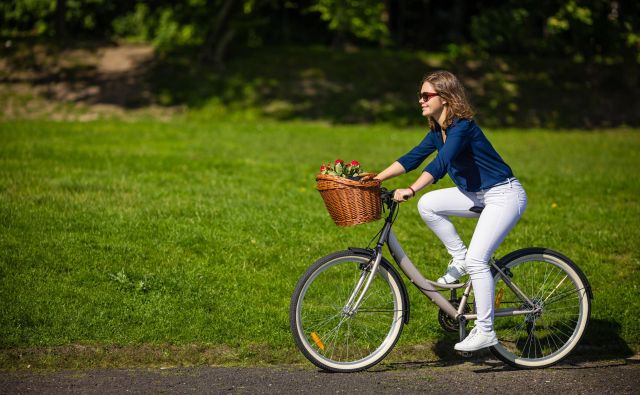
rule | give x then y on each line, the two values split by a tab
555	285
332	336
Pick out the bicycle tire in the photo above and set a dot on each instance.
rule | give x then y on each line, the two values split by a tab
334	340
541	340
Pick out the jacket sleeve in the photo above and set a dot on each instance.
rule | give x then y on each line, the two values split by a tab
412	159
457	140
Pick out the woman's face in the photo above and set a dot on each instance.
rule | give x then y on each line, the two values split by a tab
431	105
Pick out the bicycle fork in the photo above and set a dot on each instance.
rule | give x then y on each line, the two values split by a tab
361	288
369	272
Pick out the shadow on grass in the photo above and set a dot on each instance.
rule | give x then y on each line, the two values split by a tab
377	85
317	83
601	346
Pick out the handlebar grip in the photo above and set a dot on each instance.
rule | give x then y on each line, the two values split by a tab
388	194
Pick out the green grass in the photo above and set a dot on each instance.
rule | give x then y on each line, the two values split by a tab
125	234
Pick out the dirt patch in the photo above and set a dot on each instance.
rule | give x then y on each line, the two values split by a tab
81	84
78	356
85	356
123	59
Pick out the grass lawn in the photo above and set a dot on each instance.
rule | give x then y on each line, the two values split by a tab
192	234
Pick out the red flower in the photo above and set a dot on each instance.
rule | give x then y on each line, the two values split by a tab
340	169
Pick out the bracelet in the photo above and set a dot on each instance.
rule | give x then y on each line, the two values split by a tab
413	190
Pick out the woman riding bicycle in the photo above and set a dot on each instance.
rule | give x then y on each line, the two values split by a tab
482	179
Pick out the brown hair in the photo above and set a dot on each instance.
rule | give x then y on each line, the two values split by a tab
451	90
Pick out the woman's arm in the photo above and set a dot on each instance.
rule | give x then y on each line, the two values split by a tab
392	171
404	194
458	138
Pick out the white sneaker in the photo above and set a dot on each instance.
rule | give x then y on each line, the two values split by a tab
455	270
476	340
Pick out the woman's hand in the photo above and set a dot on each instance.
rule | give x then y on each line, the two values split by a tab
368	177
402	195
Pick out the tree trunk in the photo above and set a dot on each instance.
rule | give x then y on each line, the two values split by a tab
221	48
219	36
458	21
399	22
61	18
339	41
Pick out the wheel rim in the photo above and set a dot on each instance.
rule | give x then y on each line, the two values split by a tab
340	339
548	335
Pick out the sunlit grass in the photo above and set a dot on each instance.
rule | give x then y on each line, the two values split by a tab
188	232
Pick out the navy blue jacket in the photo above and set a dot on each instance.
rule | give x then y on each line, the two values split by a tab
467	155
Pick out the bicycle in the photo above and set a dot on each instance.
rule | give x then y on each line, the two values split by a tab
349	308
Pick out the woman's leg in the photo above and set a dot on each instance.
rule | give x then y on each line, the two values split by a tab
504	206
435	208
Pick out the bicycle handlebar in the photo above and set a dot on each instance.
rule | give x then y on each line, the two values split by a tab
387	196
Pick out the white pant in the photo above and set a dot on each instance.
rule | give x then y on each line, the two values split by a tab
503	206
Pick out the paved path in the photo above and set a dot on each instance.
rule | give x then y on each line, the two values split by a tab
608	377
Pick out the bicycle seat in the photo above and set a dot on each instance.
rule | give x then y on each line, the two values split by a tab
477	209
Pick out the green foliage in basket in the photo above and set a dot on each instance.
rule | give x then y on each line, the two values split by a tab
351	170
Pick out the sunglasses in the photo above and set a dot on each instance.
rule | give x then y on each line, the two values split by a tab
426	95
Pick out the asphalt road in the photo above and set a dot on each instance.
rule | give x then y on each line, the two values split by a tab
602	377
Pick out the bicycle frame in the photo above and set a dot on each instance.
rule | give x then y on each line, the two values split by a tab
426	286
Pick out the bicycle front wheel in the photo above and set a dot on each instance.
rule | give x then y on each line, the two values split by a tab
325	328
561	294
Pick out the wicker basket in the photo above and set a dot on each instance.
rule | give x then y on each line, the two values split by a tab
350	202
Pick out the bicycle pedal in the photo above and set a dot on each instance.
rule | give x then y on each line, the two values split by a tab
465	354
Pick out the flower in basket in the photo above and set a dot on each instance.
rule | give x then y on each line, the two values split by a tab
338	168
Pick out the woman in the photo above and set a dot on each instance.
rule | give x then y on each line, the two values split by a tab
482	179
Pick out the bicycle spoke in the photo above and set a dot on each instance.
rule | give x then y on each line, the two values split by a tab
515	330
554	335
542	289
565	294
378	311
544	284
321	323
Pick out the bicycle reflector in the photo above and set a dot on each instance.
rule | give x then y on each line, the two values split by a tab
316	339
499	297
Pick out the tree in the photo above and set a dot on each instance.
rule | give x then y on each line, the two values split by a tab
359	18
583	30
